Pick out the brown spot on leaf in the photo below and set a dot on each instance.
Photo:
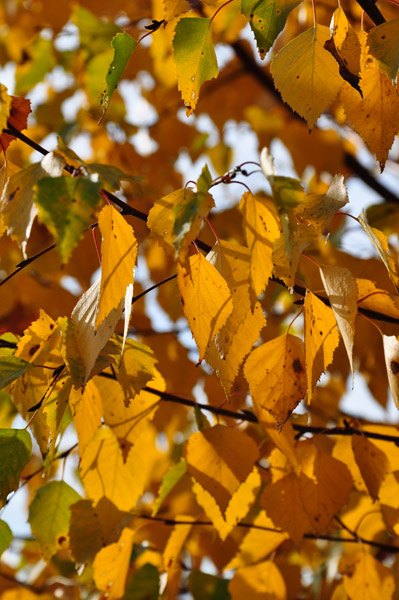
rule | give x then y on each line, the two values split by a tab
34	349
297	366
394	365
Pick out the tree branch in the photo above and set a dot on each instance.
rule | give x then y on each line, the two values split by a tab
310	536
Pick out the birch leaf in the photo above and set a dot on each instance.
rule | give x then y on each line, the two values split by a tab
380	243
382	42
321	339
267	19
372	462
206	299
340	286
195	58
111	564
276	375
306	75
118	254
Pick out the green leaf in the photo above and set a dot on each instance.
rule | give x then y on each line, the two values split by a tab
72	213
169	481
11	367
94	33
6	536
123	45
175	220
383	45
49	515
144	585
195	58
208	587
267	19
34	70
15	453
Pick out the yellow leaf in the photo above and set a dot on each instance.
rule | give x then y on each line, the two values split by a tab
237	508
220	459
206	299
258	542
261	229
105	473
341	289
40	341
306	75
276	375
380	242
375	116
90	339
321	339
376	299
171	555
366	577
87	412
118	255
5	106
288	248
263	581
135	368
391	352
111	565
174	8
346	41
372	462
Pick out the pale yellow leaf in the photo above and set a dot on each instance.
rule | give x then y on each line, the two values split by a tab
89	339
321	339
111	565
340	286
118	256
346	41
383	45
206	299
391	352
87	412
276	375
306	74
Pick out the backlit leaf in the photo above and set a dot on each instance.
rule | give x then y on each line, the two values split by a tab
391	352
206	299
382	45
276	375
18	117
67	219
123	45
176	219
372	462
260	581
195	58
11	367
40	61
341	289
135	368
111	565
15	453
267	19
118	254
169	481
261	229
365	577
380	243
6	536
5	106
49	515
306	75
321	339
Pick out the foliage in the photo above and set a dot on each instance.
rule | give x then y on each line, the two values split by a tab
213	464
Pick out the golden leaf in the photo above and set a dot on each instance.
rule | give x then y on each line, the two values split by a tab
258	582
206	299
111	564
372	462
118	255
276	375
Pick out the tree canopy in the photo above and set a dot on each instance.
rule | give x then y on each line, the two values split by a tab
181	316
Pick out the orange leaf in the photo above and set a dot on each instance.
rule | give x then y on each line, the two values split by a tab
18	118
